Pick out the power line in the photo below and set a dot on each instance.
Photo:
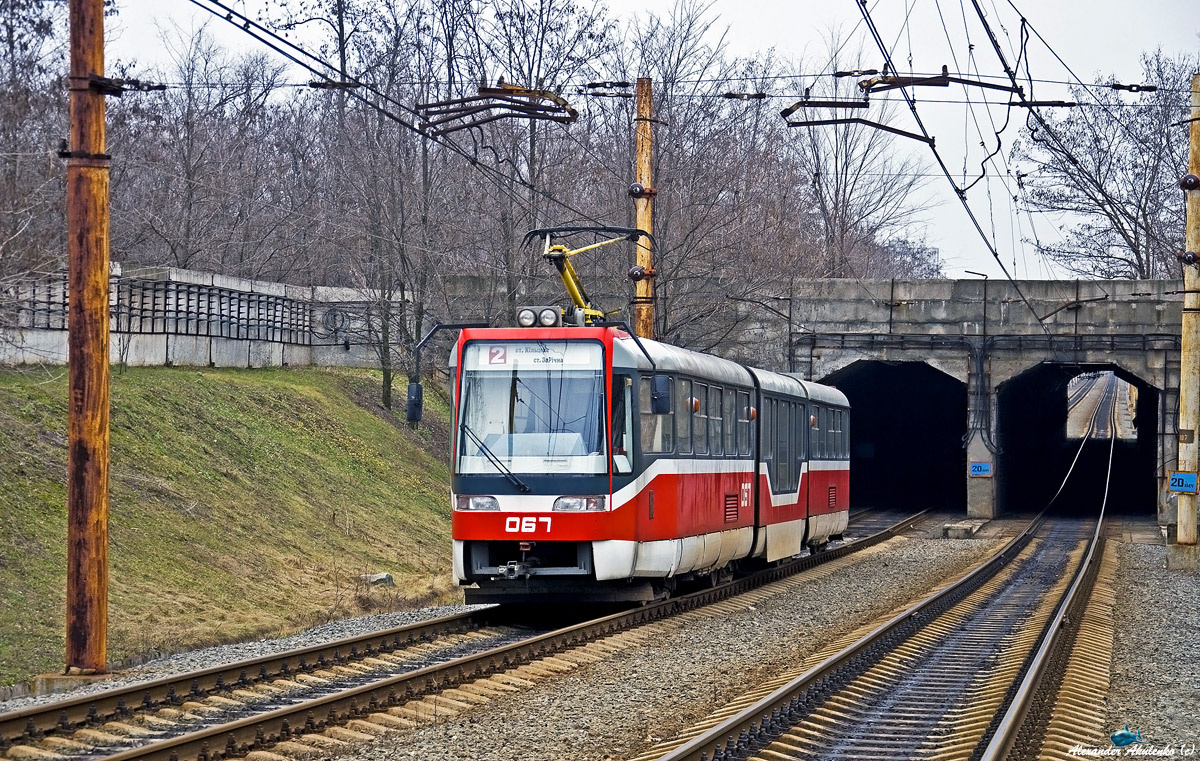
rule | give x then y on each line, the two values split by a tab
1077	82
1014	212
962	196
718	94
719	81
784	77
1033	112
256	30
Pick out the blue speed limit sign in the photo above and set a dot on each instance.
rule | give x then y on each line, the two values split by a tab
1182	482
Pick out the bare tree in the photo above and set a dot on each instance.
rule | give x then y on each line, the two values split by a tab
1107	173
863	183
230	170
32	118
202	164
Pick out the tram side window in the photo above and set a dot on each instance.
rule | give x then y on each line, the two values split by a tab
837	433
815	425
716	419
657	431
783	447
845	433
683	415
767	435
700	421
834	433
622	413
826	433
730	414
835	441
799	426
743	423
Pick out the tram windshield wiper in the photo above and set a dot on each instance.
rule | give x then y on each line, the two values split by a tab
495	461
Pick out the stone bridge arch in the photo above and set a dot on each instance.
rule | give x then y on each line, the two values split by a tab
984	334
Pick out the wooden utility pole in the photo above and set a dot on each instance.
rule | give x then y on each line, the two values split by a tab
1189	369
87	273
643	205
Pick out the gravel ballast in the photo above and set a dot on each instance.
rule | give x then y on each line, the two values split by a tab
1155	683
613	708
196	660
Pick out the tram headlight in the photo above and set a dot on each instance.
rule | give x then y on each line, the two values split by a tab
526	317
539	317
476	503
581	504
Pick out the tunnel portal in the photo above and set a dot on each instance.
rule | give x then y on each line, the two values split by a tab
907	422
1053	420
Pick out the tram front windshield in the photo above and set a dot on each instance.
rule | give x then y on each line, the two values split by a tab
532	407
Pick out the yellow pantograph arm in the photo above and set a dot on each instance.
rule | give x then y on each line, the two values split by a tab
561	257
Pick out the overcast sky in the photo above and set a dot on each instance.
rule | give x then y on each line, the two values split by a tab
1095	38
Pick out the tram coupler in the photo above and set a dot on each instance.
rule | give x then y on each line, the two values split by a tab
515	569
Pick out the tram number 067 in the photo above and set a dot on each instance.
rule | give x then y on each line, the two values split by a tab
529	525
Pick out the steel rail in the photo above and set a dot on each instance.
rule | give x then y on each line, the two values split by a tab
761	713
1004	738
1076	396
768	716
264	730
1110	391
169	691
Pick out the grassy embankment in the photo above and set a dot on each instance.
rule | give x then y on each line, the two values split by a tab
243	503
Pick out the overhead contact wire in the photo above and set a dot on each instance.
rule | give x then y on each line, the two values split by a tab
949	177
494	175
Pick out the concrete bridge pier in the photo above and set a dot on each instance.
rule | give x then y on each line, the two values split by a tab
981	490
981	436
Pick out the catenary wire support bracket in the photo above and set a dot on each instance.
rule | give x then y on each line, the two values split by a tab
606	89
329	84
112	86
866	123
809	102
1043	103
504	101
1134	88
885	82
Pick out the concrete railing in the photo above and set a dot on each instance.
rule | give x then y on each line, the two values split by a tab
169	316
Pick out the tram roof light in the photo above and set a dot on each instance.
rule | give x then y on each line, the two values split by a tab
549	317
526	318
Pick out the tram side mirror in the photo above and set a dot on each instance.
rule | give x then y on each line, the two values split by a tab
415	401
660	395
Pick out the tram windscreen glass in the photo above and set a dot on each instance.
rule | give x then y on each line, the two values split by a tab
535	406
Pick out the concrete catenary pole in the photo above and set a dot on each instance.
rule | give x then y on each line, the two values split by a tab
643	205
87	275
1189	372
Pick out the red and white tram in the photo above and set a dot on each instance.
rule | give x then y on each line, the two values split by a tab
589	465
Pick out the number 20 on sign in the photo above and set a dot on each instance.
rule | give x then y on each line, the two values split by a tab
1182	482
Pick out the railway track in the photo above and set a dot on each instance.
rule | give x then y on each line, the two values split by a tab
973	671
354	687
1081	390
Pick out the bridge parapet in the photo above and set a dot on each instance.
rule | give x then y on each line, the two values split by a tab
988	307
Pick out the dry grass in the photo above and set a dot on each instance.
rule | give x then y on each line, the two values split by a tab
243	504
